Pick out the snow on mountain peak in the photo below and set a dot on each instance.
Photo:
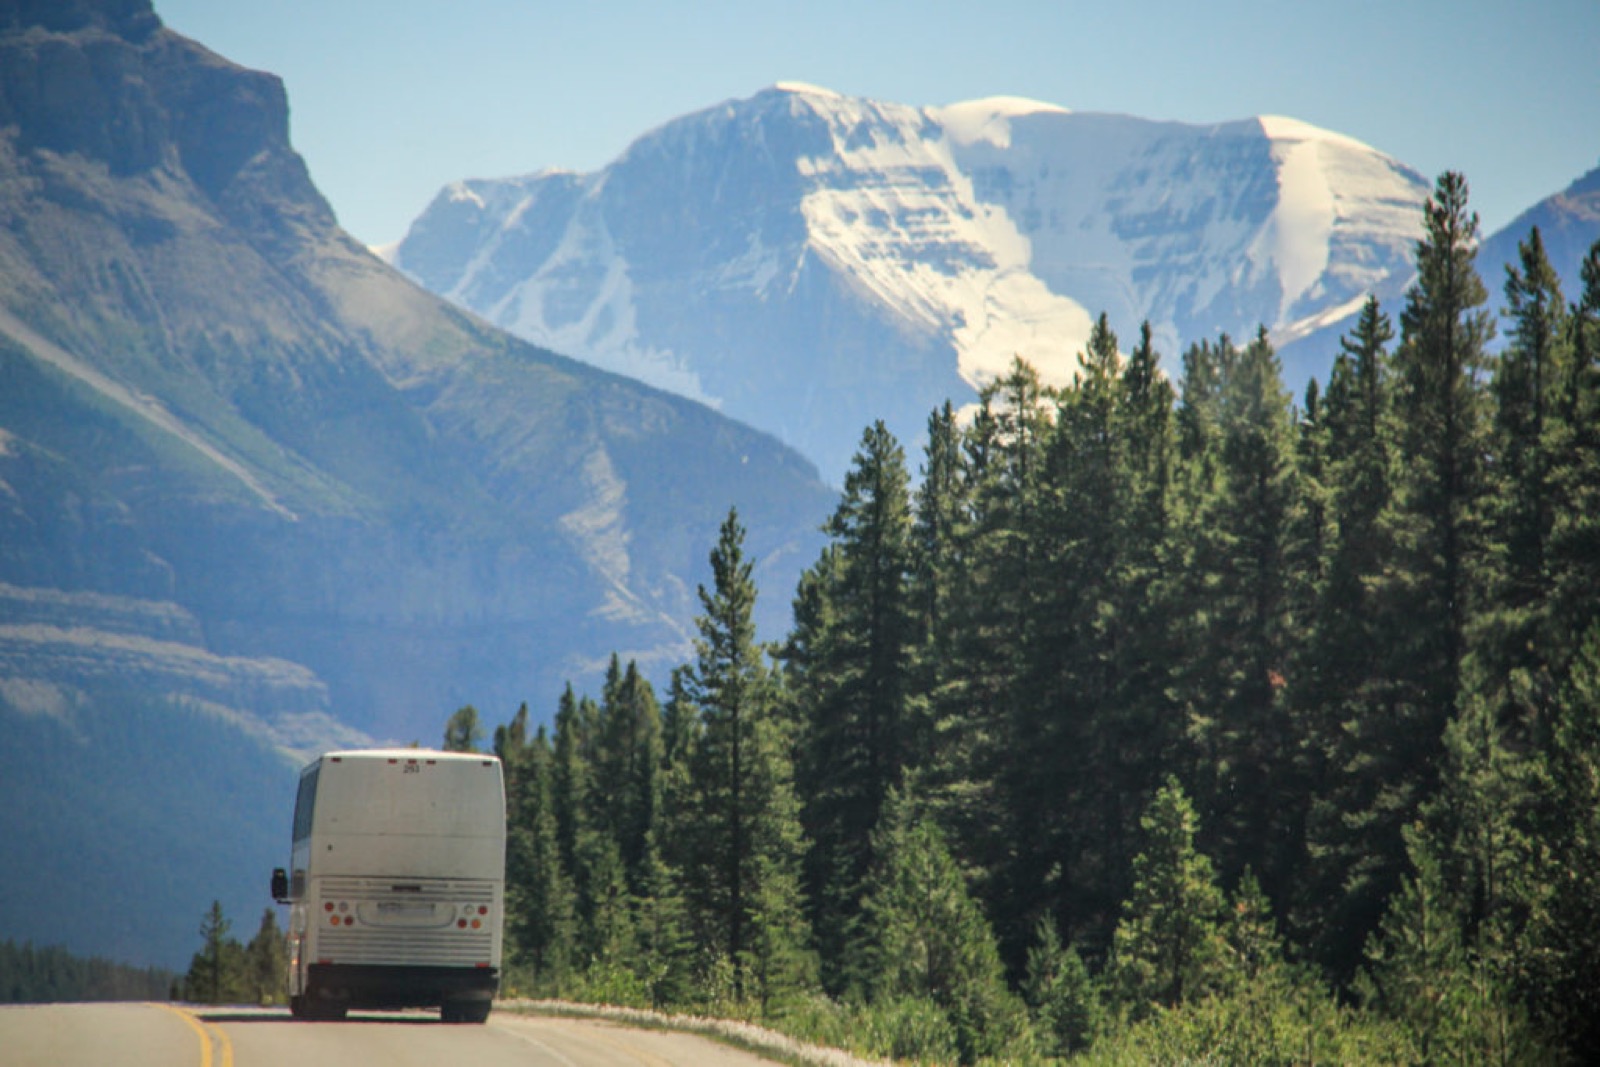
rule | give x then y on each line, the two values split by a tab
805	89
1283	128
812	263
988	119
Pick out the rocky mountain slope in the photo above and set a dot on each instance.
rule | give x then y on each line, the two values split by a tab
810	262
1569	225
260	493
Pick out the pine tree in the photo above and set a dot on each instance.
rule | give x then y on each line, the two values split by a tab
1506	637
217	972
742	837
665	949
1343	690
1444	436
266	962
1563	941
541	907
924	936
1169	945
991	607
628	760
942	755
1061	995
850	669
1573	445
1422	972
1064	782
1239	713
1435	574
463	732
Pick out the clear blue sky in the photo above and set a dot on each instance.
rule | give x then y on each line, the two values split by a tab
392	99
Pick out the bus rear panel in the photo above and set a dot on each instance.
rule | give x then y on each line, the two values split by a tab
397	884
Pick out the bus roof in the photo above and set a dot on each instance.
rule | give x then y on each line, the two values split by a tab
435	755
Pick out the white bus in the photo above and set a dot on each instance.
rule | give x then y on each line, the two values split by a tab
396	883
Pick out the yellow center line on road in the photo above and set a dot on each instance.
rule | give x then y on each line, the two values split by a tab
208	1035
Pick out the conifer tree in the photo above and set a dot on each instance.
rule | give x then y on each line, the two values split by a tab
1061	995
1438	513
1169	945
852	679
942	756
217	973
992	606
541	907
742	838
463	732
1435	575
1065	775
923	935
266	962
1521	506
1573	443
1343	690
1564	934
1246	740
628	760
1421	972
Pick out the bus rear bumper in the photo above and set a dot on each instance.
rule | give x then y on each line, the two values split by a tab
393	986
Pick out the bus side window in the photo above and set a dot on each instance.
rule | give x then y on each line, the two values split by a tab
305	803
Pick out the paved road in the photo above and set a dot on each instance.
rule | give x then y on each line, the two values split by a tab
158	1035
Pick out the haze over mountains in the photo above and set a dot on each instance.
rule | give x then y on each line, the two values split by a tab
809	261
260	494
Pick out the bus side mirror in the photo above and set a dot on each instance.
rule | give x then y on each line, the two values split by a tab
280	885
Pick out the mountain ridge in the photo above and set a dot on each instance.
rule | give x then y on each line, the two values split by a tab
765	250
262	495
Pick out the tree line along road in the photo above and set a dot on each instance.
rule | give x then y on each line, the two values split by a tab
162	1035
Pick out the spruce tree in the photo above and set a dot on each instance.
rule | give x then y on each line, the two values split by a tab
1169	945
1064	776
1060	993
1564	934
925	936
1506	639
1443	419
463	732
741	823
541	907
993	603
1240	716
1435	576
1573	445
628	761
850	670
266	962
1343	690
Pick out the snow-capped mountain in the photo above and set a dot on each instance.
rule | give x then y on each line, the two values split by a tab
809	262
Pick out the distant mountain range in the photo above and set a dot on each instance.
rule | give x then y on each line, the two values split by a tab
260	493
1569	225
810	262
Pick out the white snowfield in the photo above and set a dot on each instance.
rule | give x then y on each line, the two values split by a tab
729	255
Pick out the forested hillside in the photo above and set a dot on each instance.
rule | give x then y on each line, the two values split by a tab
1153	720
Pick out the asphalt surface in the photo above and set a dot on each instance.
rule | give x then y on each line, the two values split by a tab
161	1035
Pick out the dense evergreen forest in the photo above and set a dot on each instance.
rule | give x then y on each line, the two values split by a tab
1154	720
30	975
